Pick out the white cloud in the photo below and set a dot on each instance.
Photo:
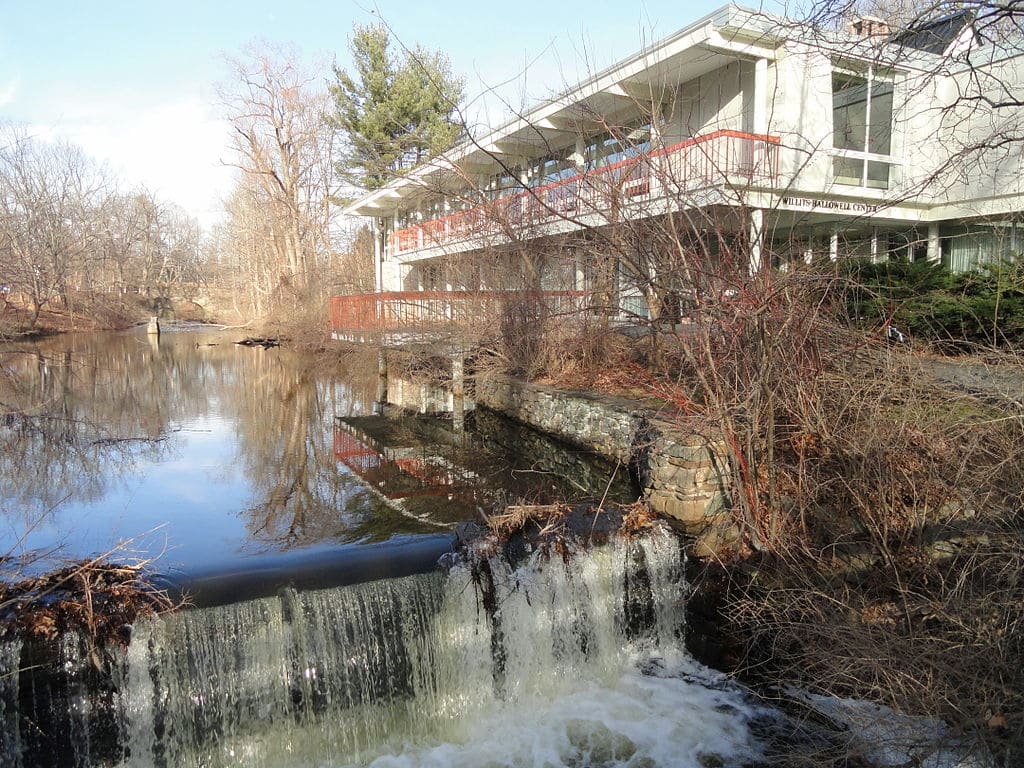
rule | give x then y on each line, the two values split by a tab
173	148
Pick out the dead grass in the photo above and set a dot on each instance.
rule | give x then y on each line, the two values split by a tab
937	631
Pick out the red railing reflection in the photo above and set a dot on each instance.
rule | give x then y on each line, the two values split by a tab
395	478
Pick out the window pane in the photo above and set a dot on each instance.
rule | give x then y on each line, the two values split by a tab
847	170
878	174
849	111
880	135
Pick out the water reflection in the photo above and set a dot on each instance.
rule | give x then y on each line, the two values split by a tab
195	448
436	471
208	455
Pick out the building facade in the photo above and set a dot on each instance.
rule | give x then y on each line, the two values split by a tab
744	136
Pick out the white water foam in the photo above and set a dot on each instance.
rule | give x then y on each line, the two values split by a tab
568	660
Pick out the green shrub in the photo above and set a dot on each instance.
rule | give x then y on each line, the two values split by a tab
985	306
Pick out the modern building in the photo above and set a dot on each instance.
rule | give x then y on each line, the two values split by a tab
743	133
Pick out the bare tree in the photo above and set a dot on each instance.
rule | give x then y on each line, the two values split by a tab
48	193
283	151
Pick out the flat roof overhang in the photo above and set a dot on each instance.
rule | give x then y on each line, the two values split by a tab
648	78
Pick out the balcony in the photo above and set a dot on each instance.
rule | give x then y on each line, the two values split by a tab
715	158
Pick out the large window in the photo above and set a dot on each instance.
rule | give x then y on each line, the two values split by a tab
968	246
862	129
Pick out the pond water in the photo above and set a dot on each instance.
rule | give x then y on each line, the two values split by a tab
211	458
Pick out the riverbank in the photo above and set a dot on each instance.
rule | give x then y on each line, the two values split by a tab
89	312
897	577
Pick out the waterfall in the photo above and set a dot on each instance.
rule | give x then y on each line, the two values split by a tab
571	659
10	744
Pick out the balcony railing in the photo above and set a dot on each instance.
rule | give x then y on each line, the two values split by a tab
700	161
426	310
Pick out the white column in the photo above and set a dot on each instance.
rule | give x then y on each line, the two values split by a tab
458	393
934	247
833	246
874	245
378	254
761	96
756	241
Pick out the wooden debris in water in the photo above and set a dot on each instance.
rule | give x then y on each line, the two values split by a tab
637	517
516	517
98	599
259	341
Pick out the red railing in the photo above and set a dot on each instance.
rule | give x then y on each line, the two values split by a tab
717	156
419	310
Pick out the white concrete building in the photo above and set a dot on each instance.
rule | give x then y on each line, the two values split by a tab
801	143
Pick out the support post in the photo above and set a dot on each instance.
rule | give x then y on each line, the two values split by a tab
761	97
756	241
934	246
458	393
378	254
382	380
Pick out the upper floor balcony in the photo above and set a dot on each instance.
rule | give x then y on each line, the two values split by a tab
621	189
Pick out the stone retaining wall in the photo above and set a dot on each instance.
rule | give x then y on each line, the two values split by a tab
680	474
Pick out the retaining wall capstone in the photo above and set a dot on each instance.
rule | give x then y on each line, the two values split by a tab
681	475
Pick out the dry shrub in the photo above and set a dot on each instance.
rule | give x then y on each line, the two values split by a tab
298	317
886	455
938	631
880	509
584	355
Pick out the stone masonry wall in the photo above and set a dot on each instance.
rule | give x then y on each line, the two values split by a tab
680	474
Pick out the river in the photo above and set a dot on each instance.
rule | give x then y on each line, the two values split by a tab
208	460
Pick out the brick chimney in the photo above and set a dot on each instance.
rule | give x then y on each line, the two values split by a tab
868	26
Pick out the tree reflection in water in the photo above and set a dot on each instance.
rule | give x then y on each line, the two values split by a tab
108	436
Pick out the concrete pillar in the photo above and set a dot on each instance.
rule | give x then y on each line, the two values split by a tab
382	380
761	96
378	254
874	245
833	246
934	246
458	393
756	241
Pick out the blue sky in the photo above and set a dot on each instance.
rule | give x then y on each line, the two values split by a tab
133	82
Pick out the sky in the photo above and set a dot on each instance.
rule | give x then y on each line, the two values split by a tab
134	83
